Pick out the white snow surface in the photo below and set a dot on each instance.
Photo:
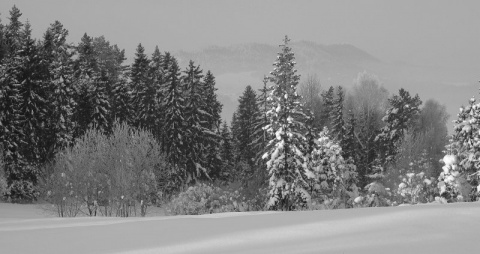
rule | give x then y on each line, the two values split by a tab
447	228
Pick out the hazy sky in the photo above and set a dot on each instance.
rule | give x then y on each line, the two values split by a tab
414	31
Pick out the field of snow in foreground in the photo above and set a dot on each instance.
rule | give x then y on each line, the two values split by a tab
451	228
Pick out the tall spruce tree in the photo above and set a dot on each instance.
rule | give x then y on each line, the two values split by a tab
246	115
156	117
328	107
336	116
174	137
197	134
285	151
58	74
33	98
349	143
139	84
211	122
13	32
226	153
93	107
400	117
212	106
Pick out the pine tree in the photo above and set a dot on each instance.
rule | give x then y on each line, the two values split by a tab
111	73
285	156
460	179
3	45
336	116
139	76
399	118
212	106
197	134
33	103
157	88
226	153
349	143
211	122
328	104
59	75
13	32
261	120
174	138
93	107
246	115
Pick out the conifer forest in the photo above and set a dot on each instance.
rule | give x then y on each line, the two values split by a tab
223	126
93	136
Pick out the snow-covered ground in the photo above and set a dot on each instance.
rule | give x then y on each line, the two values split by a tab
451	228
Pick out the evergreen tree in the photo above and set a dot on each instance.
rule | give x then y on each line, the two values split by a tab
139	76
3	43
111	72
285	151
399	117
246	115
93	107
226	153
336	116
156	110
328	104
197	135
13	32
460	179
174	138
211	122
349	143
33	98
59	75
261	120
213	107
11	133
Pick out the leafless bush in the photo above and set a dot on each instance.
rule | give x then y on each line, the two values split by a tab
106	175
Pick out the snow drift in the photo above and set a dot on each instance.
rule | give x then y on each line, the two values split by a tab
447	228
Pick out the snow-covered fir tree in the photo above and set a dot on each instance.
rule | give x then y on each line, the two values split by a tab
460	179
139	84
211	122
13	32
329	175
154	108
336	116
285	151
197	136
244	130
212	106
399	117
59	76
328	107
226	153
349	142
93	107
174	106
33	106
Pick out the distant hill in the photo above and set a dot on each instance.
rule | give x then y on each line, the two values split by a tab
240	65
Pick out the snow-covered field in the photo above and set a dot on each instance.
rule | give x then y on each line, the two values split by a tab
451	228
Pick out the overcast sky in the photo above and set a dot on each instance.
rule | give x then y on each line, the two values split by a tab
414	31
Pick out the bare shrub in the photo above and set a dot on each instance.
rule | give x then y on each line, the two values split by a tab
113	175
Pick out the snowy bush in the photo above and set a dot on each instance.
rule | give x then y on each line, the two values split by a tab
416	188
111	175
454	184
460	179
331	178
204	198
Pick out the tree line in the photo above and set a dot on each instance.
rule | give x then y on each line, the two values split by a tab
52	92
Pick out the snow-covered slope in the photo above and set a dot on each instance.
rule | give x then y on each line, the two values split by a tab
410	229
